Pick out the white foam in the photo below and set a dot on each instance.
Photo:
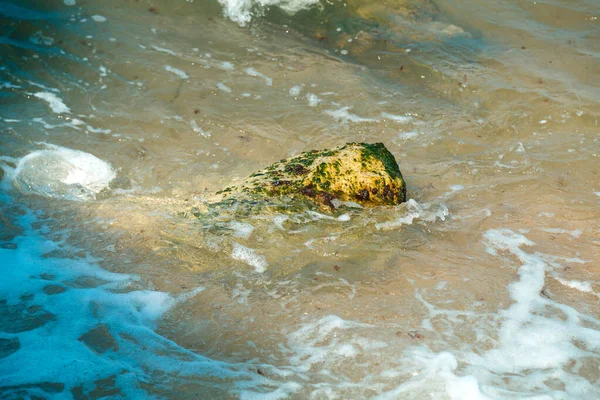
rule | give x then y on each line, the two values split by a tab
278	221
321	340
177	72
241	230
597	194
242	11
585	287
56	104
164	50
99	18
253	72
539	347
398	118
295	90
575	233
344	217
223	87
226	65
548	341
343	115
413	211
407	135
61	173
313	99
250	257
196	128
39	39
546	214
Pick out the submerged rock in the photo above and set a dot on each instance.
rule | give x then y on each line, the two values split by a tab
355	174
62	173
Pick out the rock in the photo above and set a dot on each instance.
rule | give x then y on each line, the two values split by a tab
99	339
62	173
54	289
8	246
8	346
20	318
361	173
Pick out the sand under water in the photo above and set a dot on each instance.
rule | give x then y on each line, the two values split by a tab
118	119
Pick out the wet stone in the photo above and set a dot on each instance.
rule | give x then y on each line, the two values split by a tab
9	346
20	318
54	289
8	246
99	340
103	388
85	282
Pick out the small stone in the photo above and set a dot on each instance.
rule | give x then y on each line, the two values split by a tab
8	246
54	289
8	346
99	339
415	335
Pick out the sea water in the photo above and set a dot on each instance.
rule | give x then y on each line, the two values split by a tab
118	118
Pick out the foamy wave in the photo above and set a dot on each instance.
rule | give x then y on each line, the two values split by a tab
74	334
538	350
242	11
415	211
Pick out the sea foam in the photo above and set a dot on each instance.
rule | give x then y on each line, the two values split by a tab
538	350
242	11
56	104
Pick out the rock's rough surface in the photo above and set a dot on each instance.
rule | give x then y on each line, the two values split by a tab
361	173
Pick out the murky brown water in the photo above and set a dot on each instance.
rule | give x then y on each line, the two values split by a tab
491	109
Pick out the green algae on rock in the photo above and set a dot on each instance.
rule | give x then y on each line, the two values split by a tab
361	173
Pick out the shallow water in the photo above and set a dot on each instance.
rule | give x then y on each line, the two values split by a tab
483	286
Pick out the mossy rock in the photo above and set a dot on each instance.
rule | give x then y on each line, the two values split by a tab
359	173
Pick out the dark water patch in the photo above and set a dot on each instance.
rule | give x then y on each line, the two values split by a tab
8	347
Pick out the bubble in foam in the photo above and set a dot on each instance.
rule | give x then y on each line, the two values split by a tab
61	173
416	211
295	90
313	100
249	256
241	230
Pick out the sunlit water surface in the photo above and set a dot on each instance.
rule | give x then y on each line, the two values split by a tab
485	285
